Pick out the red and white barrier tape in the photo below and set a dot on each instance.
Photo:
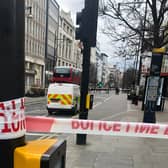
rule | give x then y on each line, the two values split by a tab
132	129
12	119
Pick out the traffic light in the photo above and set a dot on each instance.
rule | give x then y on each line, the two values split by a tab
87	22
80	20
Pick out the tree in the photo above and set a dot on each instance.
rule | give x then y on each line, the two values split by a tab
152	23
129	78
130	16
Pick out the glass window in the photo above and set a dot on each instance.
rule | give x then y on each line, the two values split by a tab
62	72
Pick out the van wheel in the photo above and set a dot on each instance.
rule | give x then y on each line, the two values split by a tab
49	111
74	110
77	108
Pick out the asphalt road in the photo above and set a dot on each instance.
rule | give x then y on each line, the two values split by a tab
106	107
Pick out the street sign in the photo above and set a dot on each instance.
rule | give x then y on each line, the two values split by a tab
156	64
100	84
152	88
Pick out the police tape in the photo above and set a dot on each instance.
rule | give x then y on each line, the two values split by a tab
12	119
96	127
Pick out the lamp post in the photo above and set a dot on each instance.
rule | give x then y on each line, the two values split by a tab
29	8
55	49
29	16
142	43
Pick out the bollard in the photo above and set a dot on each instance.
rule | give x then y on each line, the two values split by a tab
45	153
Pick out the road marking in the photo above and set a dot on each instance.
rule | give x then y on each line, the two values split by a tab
94	106
98	104
40	134
97	97
75	116
108	98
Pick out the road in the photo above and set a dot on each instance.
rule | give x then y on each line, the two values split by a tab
106	107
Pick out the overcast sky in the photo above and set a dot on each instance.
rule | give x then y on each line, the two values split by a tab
75	6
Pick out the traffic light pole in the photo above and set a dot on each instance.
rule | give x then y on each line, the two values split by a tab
81	138
12	75
86	33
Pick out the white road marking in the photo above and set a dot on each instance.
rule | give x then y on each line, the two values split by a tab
94	106
98	104
40	134
108	98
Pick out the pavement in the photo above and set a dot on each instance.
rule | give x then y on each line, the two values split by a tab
120	152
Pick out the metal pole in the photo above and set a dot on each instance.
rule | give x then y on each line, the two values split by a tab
55	49
124	77
12	15
46	45
81	138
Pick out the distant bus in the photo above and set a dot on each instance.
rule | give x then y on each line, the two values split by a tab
65	74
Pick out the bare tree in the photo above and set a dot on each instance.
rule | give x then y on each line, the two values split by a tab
125	20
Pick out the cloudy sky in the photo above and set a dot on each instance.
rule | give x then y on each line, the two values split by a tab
76	6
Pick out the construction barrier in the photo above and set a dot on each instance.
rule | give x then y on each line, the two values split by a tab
115	128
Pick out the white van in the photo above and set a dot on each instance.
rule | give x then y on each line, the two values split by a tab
63	96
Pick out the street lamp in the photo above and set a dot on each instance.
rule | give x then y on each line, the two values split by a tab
142	43
29	15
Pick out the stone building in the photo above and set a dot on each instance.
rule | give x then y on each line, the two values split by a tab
34	42
69	51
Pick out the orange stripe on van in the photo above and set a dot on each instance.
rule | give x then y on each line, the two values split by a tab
65	99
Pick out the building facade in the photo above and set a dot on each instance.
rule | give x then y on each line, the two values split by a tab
34	43
51	36
68	50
